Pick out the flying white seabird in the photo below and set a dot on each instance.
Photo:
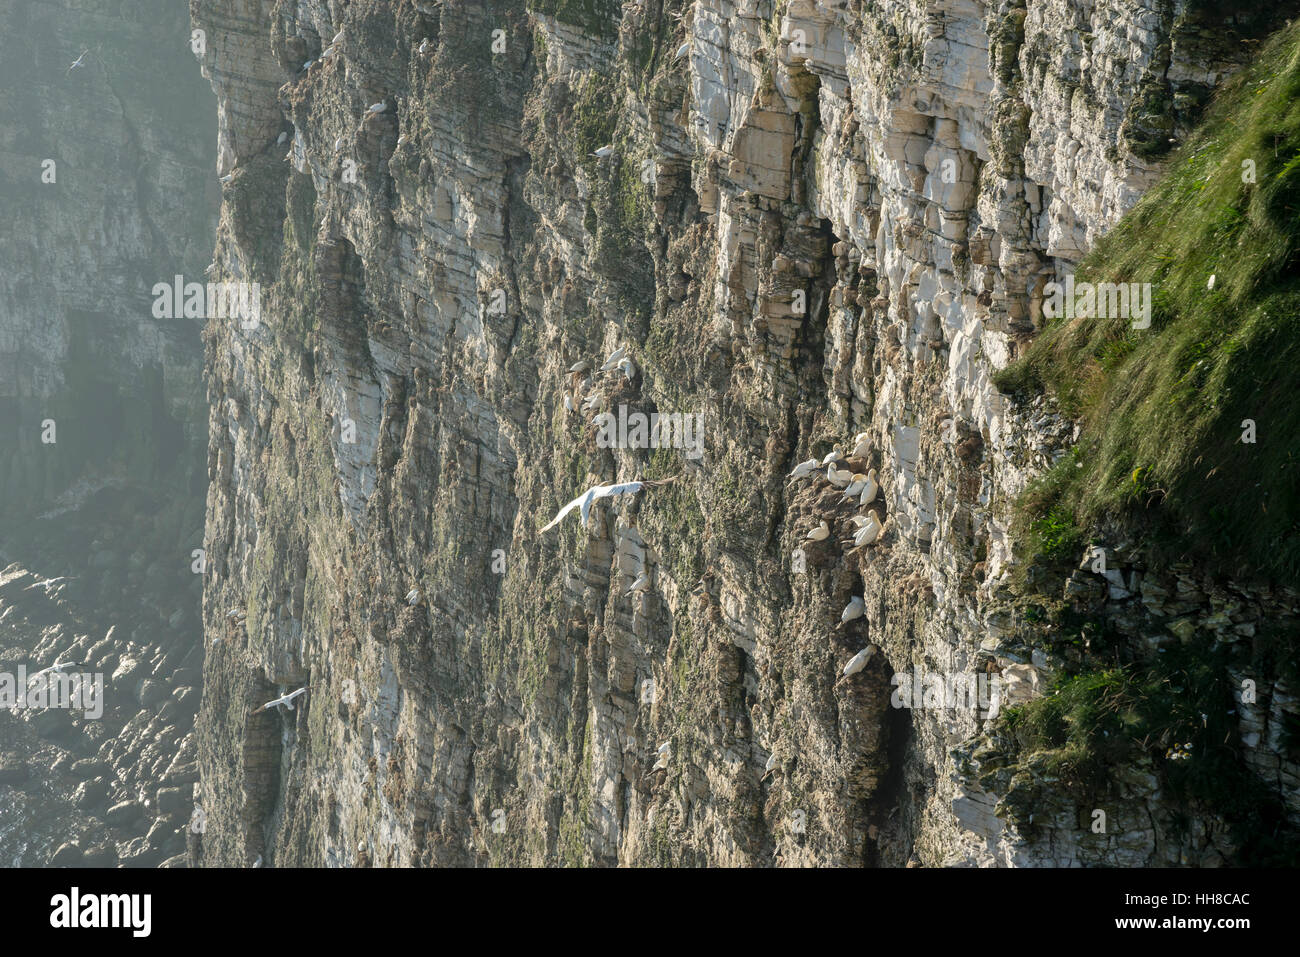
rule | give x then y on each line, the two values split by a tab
285	699
584	501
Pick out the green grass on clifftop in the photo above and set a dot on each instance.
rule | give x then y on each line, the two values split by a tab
1164	409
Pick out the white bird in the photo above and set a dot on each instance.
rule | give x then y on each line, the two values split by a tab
663	748
802	469
856	486
413	596
57	666
869	532
337	37
258	862
337	143
854	609
682	50
584	501
838	477
210	270
861	445
641	584
285	699
77	62
818	534
279	141
1210	285
859	661
424	45
603	152
568	402
228	177
593	402
771	763
614	359
834	455
870	489
328	51
581	366
664	753
859	520
628	368
307	65
377	107
237	614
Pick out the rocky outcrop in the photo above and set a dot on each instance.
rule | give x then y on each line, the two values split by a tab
804	221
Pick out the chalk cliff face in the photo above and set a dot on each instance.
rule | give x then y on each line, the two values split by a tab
815	220
106	188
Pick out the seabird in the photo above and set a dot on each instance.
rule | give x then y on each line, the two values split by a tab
838	477
870	531
682	50
834	455
584	501
57	666
641	584
77	62
603	152
285	699
861	445
568	402
859	661
210	270
870	489
237	614
424	45
258	862
664	753
771	763
628	367
228	177
307	65
854	609
281	138
858	483
1210	285
818	534
413	596
581	366
614	359
802	469
337	143
337	37
377	107
593	402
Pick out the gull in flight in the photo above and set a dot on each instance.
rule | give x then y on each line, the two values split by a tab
859	661
77	62
818	534
604	152
584	501
57	666
284	699
802	469
614	359
413	596
854	609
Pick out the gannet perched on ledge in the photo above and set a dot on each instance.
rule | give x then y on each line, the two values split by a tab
413	596
870	489
861	445
859	661
614	359
818	534
641	584
584	501
854	609
802	469
285	699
